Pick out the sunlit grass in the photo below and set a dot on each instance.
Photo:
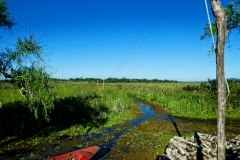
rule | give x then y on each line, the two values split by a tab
111	106
9	95
105	108
187	99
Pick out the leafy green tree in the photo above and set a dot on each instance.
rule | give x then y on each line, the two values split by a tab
23	64
5	21
233	21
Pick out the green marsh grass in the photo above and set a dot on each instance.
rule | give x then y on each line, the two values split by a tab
85	108
9	94
80	108
195	100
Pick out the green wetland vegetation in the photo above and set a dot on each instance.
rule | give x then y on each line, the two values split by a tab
88	108
195	100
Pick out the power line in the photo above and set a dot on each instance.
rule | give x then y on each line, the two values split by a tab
119	66
145	38
209	21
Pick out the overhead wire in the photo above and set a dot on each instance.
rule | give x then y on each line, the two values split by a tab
210	25
119	66
209	21
146	37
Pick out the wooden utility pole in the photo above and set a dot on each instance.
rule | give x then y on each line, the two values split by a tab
221	19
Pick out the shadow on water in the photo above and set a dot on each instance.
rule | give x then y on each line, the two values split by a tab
147	112
16	120
112	135
106	140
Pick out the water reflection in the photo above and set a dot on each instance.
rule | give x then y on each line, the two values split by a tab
114	134
147	112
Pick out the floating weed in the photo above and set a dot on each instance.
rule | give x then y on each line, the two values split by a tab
32	155
113	106
80	145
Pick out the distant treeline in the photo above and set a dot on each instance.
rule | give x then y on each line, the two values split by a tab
113	80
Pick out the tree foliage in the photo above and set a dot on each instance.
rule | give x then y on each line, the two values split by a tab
5	21
23	64
26	51
233	21
34	87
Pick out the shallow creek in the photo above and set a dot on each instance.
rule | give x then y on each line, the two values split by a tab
142	138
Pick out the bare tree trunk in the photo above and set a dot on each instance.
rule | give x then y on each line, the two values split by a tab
220	18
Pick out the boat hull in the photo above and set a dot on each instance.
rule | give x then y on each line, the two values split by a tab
82	154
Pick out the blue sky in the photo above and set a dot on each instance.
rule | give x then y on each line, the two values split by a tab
153	38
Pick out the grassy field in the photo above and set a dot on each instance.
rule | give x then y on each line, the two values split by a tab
106	106
85	108
195	100
79	109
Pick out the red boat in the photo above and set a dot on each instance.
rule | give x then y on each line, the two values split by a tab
82	154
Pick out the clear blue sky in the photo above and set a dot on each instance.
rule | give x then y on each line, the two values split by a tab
90	38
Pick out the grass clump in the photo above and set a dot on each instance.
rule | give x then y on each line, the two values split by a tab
79	109
196	100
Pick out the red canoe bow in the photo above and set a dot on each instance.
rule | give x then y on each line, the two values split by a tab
82	154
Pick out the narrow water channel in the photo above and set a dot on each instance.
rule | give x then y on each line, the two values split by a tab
147	112
105	144
142	138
